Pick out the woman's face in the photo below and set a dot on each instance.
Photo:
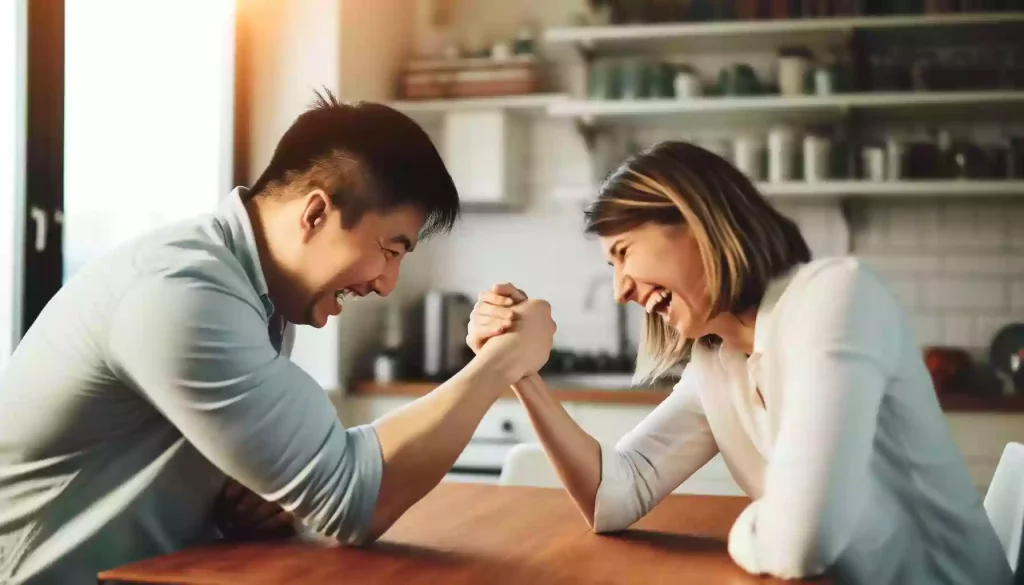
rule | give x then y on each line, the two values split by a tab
659	267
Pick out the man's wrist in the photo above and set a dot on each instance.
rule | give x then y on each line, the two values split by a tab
500	364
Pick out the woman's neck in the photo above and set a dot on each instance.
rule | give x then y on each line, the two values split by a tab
736	331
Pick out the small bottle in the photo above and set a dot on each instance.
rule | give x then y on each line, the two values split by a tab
748	157
781	155
894	152
817	155
387	365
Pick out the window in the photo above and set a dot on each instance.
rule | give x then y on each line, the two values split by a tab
12	144
149	91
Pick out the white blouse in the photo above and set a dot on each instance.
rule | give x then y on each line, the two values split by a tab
849	461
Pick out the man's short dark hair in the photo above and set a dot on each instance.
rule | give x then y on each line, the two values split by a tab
366	157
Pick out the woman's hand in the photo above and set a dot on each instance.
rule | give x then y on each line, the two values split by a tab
493	314
240	514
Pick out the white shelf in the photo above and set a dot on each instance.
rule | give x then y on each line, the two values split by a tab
909	188
534	103
755	34
593	110
827	190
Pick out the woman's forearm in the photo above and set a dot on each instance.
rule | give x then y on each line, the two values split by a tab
575	454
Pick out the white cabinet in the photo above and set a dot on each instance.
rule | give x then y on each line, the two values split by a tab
980	437
484	152
609	422
506	420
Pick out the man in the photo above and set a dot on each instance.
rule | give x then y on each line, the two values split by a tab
161	370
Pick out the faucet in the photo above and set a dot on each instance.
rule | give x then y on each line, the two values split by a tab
621	317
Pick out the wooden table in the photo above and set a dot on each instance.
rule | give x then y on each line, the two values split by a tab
479	534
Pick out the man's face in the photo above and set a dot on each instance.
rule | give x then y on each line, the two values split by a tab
333	262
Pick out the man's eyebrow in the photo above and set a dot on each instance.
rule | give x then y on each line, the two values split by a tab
404	241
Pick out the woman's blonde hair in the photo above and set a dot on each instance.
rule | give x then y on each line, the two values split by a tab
744	242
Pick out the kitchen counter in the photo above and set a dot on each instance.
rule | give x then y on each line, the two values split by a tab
959	402
624	395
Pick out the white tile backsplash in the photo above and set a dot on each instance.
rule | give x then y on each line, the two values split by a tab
1017	298
957	328
994	264
964	255
929	328
1015	226
957	266
902	266
973	293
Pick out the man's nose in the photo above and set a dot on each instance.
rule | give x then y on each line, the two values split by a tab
384	284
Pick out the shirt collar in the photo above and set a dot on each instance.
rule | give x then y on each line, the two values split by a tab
241	240
766	310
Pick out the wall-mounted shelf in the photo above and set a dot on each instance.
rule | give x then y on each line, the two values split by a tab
756	35
535	104
711	108
830	190
895	189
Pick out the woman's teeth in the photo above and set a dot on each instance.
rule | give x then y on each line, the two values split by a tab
340	297
658	301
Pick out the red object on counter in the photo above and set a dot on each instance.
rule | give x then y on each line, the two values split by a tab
948	366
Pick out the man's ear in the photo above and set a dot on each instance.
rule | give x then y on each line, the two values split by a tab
316	205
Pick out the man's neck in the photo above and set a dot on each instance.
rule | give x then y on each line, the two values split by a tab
258	218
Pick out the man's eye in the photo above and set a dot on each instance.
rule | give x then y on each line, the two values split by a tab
391	254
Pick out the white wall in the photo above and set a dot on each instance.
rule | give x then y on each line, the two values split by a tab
12	160
352	47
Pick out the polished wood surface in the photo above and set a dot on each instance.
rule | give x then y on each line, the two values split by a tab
481	534
616	396
951	402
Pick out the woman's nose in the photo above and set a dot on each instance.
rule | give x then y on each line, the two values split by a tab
623	288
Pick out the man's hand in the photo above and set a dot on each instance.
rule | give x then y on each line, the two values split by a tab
242	515
519	330
493	314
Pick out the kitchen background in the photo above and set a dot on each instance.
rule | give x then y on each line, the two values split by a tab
889	130
952	249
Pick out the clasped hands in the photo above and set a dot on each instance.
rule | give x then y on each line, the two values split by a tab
506	320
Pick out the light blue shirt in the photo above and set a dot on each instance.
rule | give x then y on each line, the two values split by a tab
153	373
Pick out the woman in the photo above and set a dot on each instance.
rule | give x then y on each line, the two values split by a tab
804	375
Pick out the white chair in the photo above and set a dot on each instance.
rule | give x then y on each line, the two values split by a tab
526	464
1004	504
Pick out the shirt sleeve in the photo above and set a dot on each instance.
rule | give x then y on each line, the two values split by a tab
201	354
653	459
836	357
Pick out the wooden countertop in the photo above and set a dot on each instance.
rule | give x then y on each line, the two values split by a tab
622	396
470	533
640	396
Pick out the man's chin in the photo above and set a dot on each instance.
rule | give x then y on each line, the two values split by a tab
315	319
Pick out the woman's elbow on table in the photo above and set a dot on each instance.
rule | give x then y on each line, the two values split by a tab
779	557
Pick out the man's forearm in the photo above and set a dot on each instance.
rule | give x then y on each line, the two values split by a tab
575	454
421	441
